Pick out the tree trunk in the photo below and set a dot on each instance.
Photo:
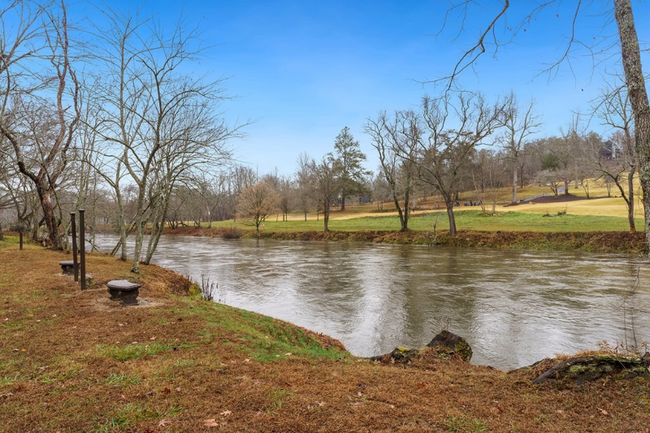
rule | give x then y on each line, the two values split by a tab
514	184
45	196
630	195
450	215
123	235
343	201
140	223
400	213
137	250
157	229
404	219
638	95
34	227
326	214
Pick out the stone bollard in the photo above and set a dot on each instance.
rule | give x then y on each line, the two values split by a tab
67	266
124	291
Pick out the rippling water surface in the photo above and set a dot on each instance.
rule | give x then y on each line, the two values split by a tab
513	307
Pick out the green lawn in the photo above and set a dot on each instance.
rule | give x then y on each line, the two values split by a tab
465	220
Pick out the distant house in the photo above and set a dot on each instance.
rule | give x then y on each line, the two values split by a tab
608	151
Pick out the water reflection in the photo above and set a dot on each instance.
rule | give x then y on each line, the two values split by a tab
513	307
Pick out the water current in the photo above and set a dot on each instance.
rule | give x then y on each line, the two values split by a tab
513	307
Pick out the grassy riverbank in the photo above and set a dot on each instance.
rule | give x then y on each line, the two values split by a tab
467	220
73	361
559	223
600	242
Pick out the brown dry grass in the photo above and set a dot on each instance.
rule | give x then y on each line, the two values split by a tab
184	364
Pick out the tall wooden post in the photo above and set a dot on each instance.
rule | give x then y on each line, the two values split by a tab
82	248
75	262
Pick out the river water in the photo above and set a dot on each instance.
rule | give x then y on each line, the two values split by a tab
513	307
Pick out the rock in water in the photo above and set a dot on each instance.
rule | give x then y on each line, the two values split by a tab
453	344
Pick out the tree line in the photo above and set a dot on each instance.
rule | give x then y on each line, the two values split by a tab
461	144
107	110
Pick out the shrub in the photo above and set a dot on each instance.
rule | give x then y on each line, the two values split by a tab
231	233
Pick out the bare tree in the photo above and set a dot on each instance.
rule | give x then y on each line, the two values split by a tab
518	124
192	140
549	178
19	194
286	192
614	110
566	151
242	178
397	142
256	203
452	131
305	190
487	172
630	53
223	207
325	185
381	190
638	97
158	125
38	107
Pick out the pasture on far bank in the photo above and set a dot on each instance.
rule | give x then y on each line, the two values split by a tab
549	214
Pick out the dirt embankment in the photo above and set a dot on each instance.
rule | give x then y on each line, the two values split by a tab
601	242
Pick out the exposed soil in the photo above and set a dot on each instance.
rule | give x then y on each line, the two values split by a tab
184	364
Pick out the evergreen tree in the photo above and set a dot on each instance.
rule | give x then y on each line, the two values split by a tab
348	167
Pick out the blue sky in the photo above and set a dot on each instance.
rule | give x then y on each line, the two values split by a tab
303	70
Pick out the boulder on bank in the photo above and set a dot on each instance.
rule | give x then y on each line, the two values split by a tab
445	344
452	344
588	368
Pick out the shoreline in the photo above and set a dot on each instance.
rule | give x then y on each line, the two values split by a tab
594	242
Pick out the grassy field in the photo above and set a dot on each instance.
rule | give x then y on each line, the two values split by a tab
506	220
465	220
73	361
597	214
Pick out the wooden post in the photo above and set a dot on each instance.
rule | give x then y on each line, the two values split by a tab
82	248
20	235
75	262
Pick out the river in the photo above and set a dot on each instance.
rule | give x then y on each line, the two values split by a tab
513	307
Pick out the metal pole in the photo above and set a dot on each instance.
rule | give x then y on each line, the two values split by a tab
75	262
82	248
